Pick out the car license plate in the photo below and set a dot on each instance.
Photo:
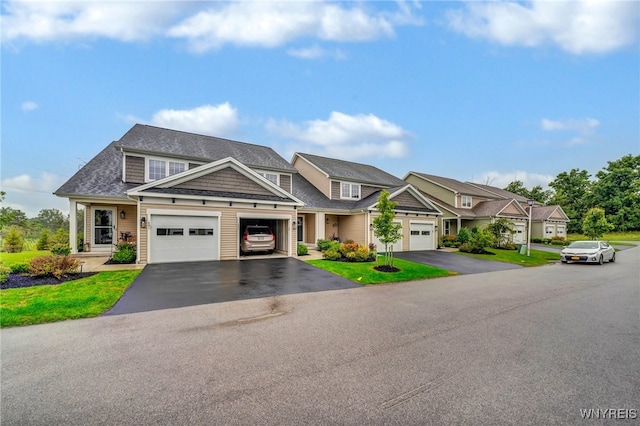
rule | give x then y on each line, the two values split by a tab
575	258
261	238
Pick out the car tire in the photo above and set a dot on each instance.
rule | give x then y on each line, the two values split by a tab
563	261
601	260
613	258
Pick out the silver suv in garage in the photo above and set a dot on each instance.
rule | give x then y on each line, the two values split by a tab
257	238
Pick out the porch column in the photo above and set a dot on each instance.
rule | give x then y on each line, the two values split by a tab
459	225
73	226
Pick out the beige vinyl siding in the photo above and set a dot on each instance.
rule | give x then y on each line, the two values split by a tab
285	182
352	228
134	169
480	223
536	230
128	224
309	224
407	199
229	226
331	228
226	179
557	215
313	175
511	209
431	189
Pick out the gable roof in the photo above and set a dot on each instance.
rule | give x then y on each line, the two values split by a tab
347	170
167	185
453	185
496	208
502	193
545	213
147	139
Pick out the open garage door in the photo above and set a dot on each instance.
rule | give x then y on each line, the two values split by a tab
421	236
278	227
175	238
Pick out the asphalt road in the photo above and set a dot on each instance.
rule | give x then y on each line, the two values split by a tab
526	346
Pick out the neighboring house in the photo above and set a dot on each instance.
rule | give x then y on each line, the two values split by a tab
182	196
340	200
468	205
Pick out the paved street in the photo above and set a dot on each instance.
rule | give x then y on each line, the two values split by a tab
524	346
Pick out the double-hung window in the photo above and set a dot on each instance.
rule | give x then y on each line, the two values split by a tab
159	169
349	190
466	202
273	177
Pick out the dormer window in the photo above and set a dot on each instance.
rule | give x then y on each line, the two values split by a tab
273	177
349	191
466	202
159	169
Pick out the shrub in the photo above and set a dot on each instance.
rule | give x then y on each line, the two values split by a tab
347	248
4	274
465	247
60	237
124	253
43	240
536	240
324	244
302	250
19	268
56	266
13	241
331	254
363	254
558	241
478	241
463	236
61	250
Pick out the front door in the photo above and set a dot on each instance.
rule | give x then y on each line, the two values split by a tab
103	227
300	226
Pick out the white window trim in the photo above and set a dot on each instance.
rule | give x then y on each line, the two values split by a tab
351	186
466	197
264	174
147	166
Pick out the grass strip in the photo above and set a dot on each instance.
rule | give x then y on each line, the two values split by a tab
8	259
82	298
363	272
537	258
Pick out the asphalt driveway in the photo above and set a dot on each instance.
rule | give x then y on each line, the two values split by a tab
455	262
175	285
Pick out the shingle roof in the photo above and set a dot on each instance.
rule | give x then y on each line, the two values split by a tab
456	185
357	172
100	177
493	207
314	199
150	139
500	192
542	212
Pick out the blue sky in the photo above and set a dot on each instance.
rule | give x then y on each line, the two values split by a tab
482	92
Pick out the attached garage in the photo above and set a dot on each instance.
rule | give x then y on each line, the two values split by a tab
421	236
519	234
380	246
183	238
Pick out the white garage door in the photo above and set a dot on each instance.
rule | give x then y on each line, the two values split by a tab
519	235
421	236
183	238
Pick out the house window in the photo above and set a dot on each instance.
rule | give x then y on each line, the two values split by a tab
159	169
447	227
273	177
349	190
466	202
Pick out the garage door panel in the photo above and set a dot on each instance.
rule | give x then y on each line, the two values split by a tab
183	238
421	236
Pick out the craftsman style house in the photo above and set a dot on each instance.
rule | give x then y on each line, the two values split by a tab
181	196
467	205
340	202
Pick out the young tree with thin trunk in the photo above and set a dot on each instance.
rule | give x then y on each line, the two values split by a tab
383	227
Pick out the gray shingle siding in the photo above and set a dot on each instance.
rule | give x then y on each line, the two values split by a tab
134	169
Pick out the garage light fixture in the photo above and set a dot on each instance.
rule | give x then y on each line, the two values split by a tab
255	205
327	221
204	202
173	201
122	214
143	222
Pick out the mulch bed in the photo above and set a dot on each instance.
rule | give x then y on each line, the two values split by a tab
19	280
386	268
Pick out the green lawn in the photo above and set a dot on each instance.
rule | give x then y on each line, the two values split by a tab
537	258
612	237
363	272
83	298
8	259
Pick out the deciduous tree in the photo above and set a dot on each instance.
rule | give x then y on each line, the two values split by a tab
383	227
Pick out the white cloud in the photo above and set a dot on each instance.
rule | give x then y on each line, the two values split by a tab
578	27
316	52
29	106
218	120
346	136
66	20
582	126
502	179
271	24
32	194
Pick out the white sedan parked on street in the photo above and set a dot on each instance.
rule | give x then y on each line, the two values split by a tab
588	252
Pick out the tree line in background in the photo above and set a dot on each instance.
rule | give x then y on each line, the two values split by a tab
615	189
